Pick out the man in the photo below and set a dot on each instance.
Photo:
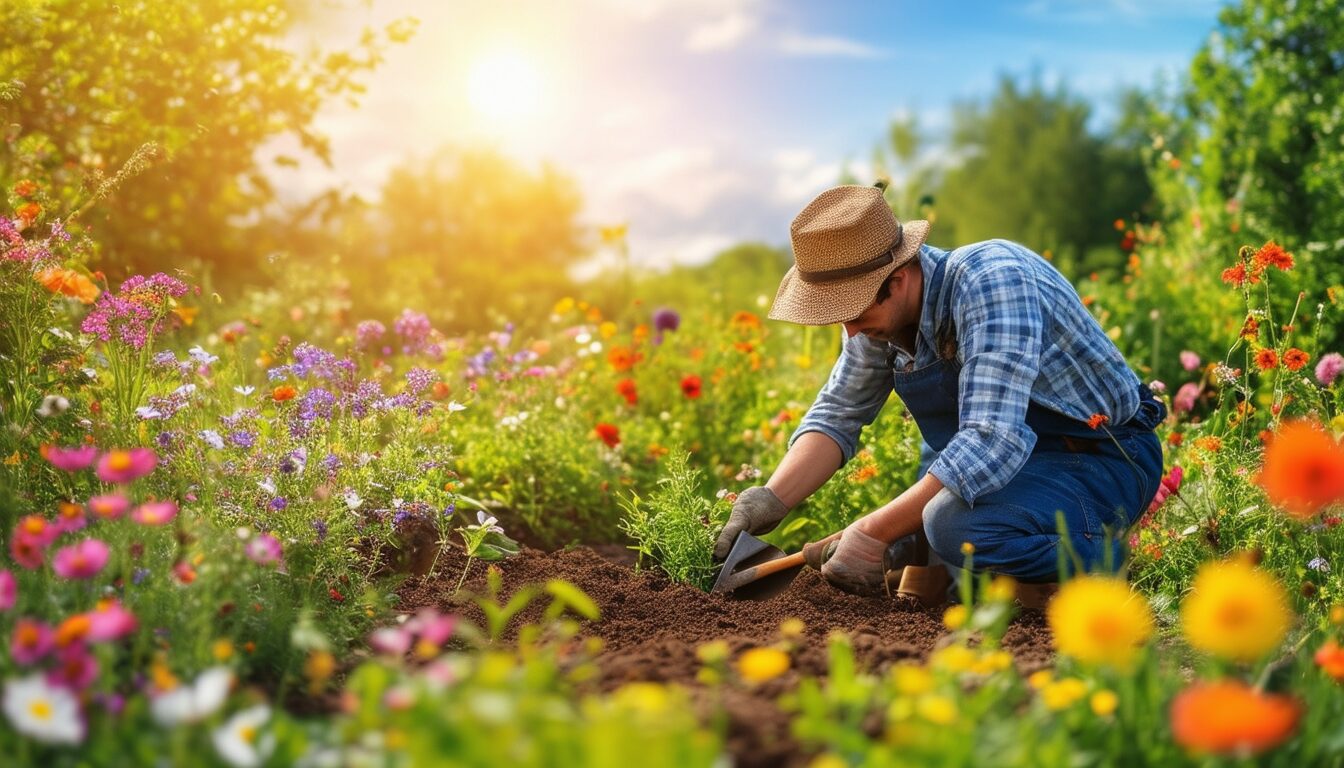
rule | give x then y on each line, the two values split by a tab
1028	412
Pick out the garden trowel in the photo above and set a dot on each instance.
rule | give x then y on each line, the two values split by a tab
755	570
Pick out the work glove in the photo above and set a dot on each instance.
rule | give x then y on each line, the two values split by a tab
757	510
856	564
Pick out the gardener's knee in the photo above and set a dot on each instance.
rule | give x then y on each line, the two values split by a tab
947	523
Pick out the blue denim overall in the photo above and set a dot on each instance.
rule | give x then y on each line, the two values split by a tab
1101	483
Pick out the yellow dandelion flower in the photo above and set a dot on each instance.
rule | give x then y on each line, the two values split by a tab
1099	620
1104	703
760	664
1235	611
937	709
1001	590
953	658
911	679
954	618
1040	678
1063	693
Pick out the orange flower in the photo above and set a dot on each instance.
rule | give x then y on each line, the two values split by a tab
1229	717
29	212
608	433
1271	254
283	392
1096	420
68	282
1176	438
1251	328
622	359
1235	275
690	386
25	187
1210	443
745	321
1295	358
1266	359
1330	658
73	629
626	388
1119	225
1303	469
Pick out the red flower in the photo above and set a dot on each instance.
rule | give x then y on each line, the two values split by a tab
1303	469
1330	658
1229	717
1266	359
1097	419
690	386
1271	254
283	392
1235	275
609	434
335	595
1295	358
626	388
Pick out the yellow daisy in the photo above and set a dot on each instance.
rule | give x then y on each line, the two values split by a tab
1099	620
1235	611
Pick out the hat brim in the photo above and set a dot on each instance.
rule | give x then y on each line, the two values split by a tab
798	301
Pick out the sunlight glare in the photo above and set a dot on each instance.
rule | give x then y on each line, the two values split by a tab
504	85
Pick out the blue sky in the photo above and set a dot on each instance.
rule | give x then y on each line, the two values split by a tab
703	123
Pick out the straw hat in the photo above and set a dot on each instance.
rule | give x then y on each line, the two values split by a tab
845	244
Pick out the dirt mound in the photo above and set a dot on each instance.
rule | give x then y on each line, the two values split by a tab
651	628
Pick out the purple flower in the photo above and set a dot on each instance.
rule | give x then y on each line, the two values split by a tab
414	329
139	575
71	459
295	462
418	380
136	313
278	503
664	319
320	526
243	439
367	334
1329	368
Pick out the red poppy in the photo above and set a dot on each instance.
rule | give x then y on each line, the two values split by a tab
690	386
626	388
609	434
283	392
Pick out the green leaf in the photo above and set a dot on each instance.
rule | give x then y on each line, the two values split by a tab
573	598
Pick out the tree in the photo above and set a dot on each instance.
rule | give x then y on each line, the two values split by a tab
208	82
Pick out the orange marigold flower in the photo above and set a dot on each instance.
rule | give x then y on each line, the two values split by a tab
283	392
1266	359
626	388
25	187
622	359
1295	358
1271	254
1303	469
1230	717
690	386
1096	420
1210	443
608	433
1330	658
745	321
29	212
68	282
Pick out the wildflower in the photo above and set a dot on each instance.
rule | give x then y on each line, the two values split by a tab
1294	359
154	513
32	640
626	388
1329	368
1209	443
758	665
1228	717
911	679
83	560
1235	611
283	392
1099	620
123	466
1266	359
1303	469
1189	360
70	459
1097	420
9	590
108	506
1271	254
954	618
368	334
1104	703
109	621
937	709
622	359
665	319
608	433
1330	658
263	549
212	438
1185	397
236	740
24	187
1319	564
189	703
45	712
318	668
1063	693
1235	275
690	386
391	641
52	405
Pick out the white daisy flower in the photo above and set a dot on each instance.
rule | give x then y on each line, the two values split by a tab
193	702
44	712
237	739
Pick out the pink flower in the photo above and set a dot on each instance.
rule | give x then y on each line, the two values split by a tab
75	668
70	517
432	627
263	549
27	552
154	512
1171	483
1329	368
1189	360
83	560
392	641
71	459
1185	397
32	640
109	621
123	466
109	506
9	590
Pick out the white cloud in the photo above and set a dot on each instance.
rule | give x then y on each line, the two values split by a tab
684	181
1111	11
721	34
795	44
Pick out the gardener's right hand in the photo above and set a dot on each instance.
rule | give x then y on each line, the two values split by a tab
757	510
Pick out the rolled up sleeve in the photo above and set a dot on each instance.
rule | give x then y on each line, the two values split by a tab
998	316
858	387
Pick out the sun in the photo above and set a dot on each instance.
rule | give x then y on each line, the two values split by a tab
504	85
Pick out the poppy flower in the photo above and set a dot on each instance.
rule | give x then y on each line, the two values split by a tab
609	434
1229	717
626	388
1303	469
690	386
283	392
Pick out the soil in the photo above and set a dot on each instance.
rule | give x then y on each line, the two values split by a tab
652	626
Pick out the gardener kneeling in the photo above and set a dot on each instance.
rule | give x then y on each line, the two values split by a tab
1027	409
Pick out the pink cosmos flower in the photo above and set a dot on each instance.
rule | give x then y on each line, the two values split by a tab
264	549
392	641
9	590
75	668
32	640
154	513
27	552
1185	397
70	517
82	560
37	529
1171	483
71	459
432	627
109	506
109	621
1189	360
123	466
1329	368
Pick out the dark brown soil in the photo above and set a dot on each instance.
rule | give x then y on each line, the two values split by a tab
651	628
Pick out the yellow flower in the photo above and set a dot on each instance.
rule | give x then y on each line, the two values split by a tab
646	698
1001	590
827	761
1104	703
607	329
911	679
1235	611
967	548
222	649
1062	694
1040	678
1099	620
953	658
954	618
791	629
563	306
713	651
939	710
994	661
760	664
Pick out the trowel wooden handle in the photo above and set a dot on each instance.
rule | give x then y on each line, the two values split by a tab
786	562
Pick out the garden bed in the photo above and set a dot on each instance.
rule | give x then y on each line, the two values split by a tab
651	627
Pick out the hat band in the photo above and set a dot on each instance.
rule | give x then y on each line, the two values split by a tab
873	264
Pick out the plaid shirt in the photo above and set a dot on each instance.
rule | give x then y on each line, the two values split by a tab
1022	336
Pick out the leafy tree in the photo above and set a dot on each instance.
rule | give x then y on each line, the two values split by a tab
210	82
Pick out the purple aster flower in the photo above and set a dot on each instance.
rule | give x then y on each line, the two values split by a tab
320	526
278	504
414	330
367	335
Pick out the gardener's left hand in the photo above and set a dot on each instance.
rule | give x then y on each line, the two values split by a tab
855	566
